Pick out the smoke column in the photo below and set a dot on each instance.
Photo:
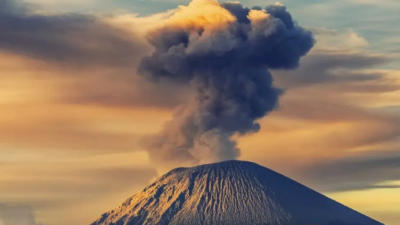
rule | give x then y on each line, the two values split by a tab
223	53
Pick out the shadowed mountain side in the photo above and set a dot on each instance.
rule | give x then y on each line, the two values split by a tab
231	192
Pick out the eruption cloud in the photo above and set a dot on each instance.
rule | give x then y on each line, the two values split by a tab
223	53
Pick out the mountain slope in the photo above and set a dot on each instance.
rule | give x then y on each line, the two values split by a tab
230	193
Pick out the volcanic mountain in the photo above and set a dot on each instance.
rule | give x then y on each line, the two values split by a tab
230	193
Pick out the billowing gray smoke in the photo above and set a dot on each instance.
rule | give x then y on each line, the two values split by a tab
223	52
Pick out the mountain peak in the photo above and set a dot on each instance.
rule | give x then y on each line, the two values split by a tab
231	192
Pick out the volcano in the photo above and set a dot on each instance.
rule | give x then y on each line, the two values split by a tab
230	193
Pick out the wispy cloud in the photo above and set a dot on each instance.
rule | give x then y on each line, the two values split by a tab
358	171
76	39
74	107
330	115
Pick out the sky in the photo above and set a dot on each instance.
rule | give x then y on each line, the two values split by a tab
73	108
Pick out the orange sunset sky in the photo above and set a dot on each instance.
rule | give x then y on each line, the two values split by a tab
72	107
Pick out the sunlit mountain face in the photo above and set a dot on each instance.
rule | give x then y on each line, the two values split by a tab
232	192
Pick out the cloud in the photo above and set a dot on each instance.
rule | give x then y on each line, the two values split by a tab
332	111
16	215
340	55
121	88
369	170
76	39
343	71
376	3
78	63
81	105
336	40
88	58
80	183
89	130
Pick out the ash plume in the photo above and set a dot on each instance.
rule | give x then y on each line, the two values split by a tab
223	53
